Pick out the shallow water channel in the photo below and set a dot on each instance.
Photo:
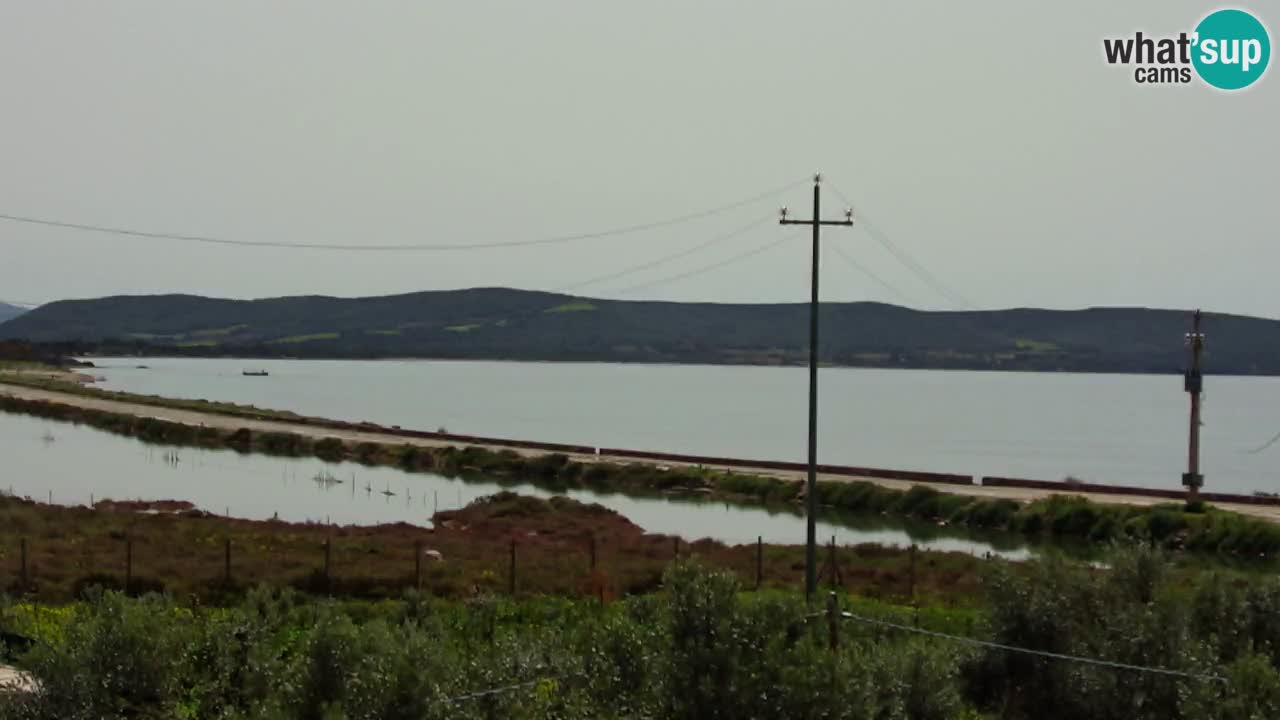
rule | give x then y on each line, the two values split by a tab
74	465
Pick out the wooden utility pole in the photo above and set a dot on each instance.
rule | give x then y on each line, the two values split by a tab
811	488
1193	383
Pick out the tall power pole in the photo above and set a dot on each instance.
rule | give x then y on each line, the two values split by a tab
811	489
1194	385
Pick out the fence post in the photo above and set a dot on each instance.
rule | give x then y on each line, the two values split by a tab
835	569
511	580
328	581
913	572
417	564
833	622
226	562
24	564
759	561
128	563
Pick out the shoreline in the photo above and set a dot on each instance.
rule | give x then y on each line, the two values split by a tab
261	420
1241	531
1172	373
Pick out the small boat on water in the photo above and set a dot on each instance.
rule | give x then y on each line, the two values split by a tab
254	373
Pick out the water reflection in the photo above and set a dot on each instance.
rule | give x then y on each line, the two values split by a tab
81	464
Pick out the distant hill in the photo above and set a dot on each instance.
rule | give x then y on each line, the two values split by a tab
524	325
8	312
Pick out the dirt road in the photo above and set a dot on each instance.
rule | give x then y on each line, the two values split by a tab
190	417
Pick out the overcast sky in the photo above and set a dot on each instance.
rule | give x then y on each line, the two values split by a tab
988	140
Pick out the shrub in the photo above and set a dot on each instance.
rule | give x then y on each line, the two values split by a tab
331	449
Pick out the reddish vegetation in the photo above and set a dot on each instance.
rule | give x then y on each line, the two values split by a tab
469	552
144	506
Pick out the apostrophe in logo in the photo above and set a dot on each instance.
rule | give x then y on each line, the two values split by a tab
1232	49
1229	49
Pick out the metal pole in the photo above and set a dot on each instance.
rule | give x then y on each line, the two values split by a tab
811	486
1194	385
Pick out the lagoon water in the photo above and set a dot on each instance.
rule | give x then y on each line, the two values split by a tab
1117	429
75	465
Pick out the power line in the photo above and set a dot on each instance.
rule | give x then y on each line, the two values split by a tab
912	264
1274	439
1028	651
708	268
867	272
667	258
613	232
906	259
508	688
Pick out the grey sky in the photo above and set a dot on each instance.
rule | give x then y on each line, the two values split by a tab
989	140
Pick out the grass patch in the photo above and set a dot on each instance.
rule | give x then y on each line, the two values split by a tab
313	337
570	307
218	332
1035	345
462	328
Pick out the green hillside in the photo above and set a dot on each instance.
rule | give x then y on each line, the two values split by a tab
516	324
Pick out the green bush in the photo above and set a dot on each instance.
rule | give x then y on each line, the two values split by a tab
330	449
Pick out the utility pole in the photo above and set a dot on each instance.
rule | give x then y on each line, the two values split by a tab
811	489
1193	383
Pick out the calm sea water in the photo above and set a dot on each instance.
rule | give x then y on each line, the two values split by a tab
73	465
1118	429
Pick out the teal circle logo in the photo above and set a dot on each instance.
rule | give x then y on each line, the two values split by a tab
1232	49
